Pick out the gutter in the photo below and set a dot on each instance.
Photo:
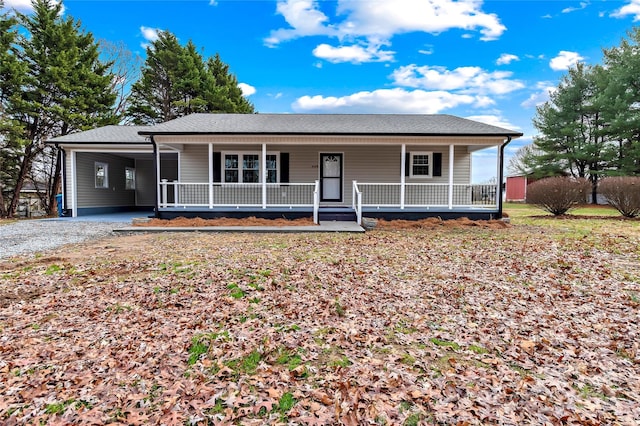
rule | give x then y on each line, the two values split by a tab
501	176
156	212
289	133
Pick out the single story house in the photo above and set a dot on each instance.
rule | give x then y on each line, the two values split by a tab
328	166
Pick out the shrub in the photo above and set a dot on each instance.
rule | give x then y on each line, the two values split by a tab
623	193
557	194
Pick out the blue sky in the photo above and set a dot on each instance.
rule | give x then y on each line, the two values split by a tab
492	61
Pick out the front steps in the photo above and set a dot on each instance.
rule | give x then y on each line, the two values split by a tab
336	214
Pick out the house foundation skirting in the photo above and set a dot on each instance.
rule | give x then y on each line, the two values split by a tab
297	213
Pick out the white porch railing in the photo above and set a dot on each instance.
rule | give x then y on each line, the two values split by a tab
379	195
177	194
426	194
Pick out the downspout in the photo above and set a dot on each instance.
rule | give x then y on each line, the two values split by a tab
156	212
501	177
63	153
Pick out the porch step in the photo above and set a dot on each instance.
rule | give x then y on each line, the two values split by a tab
340	215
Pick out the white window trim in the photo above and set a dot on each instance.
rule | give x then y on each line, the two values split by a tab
105	166
133	187
427	153
240	154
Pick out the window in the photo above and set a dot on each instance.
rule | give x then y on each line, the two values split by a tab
250	168
101	174
231	168
421	164
272	168
129	178
245	167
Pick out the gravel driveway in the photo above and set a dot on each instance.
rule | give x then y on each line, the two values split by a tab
30	236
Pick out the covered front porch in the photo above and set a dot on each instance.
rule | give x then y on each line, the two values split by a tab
276	192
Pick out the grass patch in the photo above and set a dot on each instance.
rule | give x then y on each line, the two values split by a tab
52	269
445	343
247	365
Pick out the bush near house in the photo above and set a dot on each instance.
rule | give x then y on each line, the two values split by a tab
623	193
557	195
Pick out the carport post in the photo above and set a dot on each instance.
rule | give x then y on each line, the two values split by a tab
156	167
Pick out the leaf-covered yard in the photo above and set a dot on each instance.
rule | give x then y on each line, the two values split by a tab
532	324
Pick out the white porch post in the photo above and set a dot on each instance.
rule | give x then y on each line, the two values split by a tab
451	153
403	165
499	174
210	175
263	167
158	201
74	193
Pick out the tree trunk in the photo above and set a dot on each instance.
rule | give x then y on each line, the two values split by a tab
24	170
3	211
594	191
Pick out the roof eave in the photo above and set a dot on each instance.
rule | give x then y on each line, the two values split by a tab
150	133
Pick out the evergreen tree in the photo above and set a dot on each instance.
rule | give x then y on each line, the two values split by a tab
153	96
176	81
229	97
572	138
65	88
620	100
11	72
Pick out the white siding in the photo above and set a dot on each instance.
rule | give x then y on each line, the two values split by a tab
367	164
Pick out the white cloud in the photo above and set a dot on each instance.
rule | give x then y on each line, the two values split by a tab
247	90
428	50
565	60
304	18
213	3
149	34
583	5
385	101
384	19
22	5
494	120
544	90
506	59
373	24
354	54
632	8
25	6
472	80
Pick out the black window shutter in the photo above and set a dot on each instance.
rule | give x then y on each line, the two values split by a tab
284	167
407	164
217	167
437	164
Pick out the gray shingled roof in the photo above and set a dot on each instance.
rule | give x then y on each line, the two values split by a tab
328	124
106	134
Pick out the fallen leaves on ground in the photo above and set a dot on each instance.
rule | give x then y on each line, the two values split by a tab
520	325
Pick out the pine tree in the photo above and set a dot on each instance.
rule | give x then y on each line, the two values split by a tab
572	138
65	88
620	100
11	72
229	97
176	81
154	94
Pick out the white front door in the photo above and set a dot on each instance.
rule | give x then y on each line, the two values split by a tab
331	177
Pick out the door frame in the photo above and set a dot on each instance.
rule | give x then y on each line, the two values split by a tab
341	177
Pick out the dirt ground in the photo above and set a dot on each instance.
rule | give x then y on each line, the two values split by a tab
457	323
430	223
